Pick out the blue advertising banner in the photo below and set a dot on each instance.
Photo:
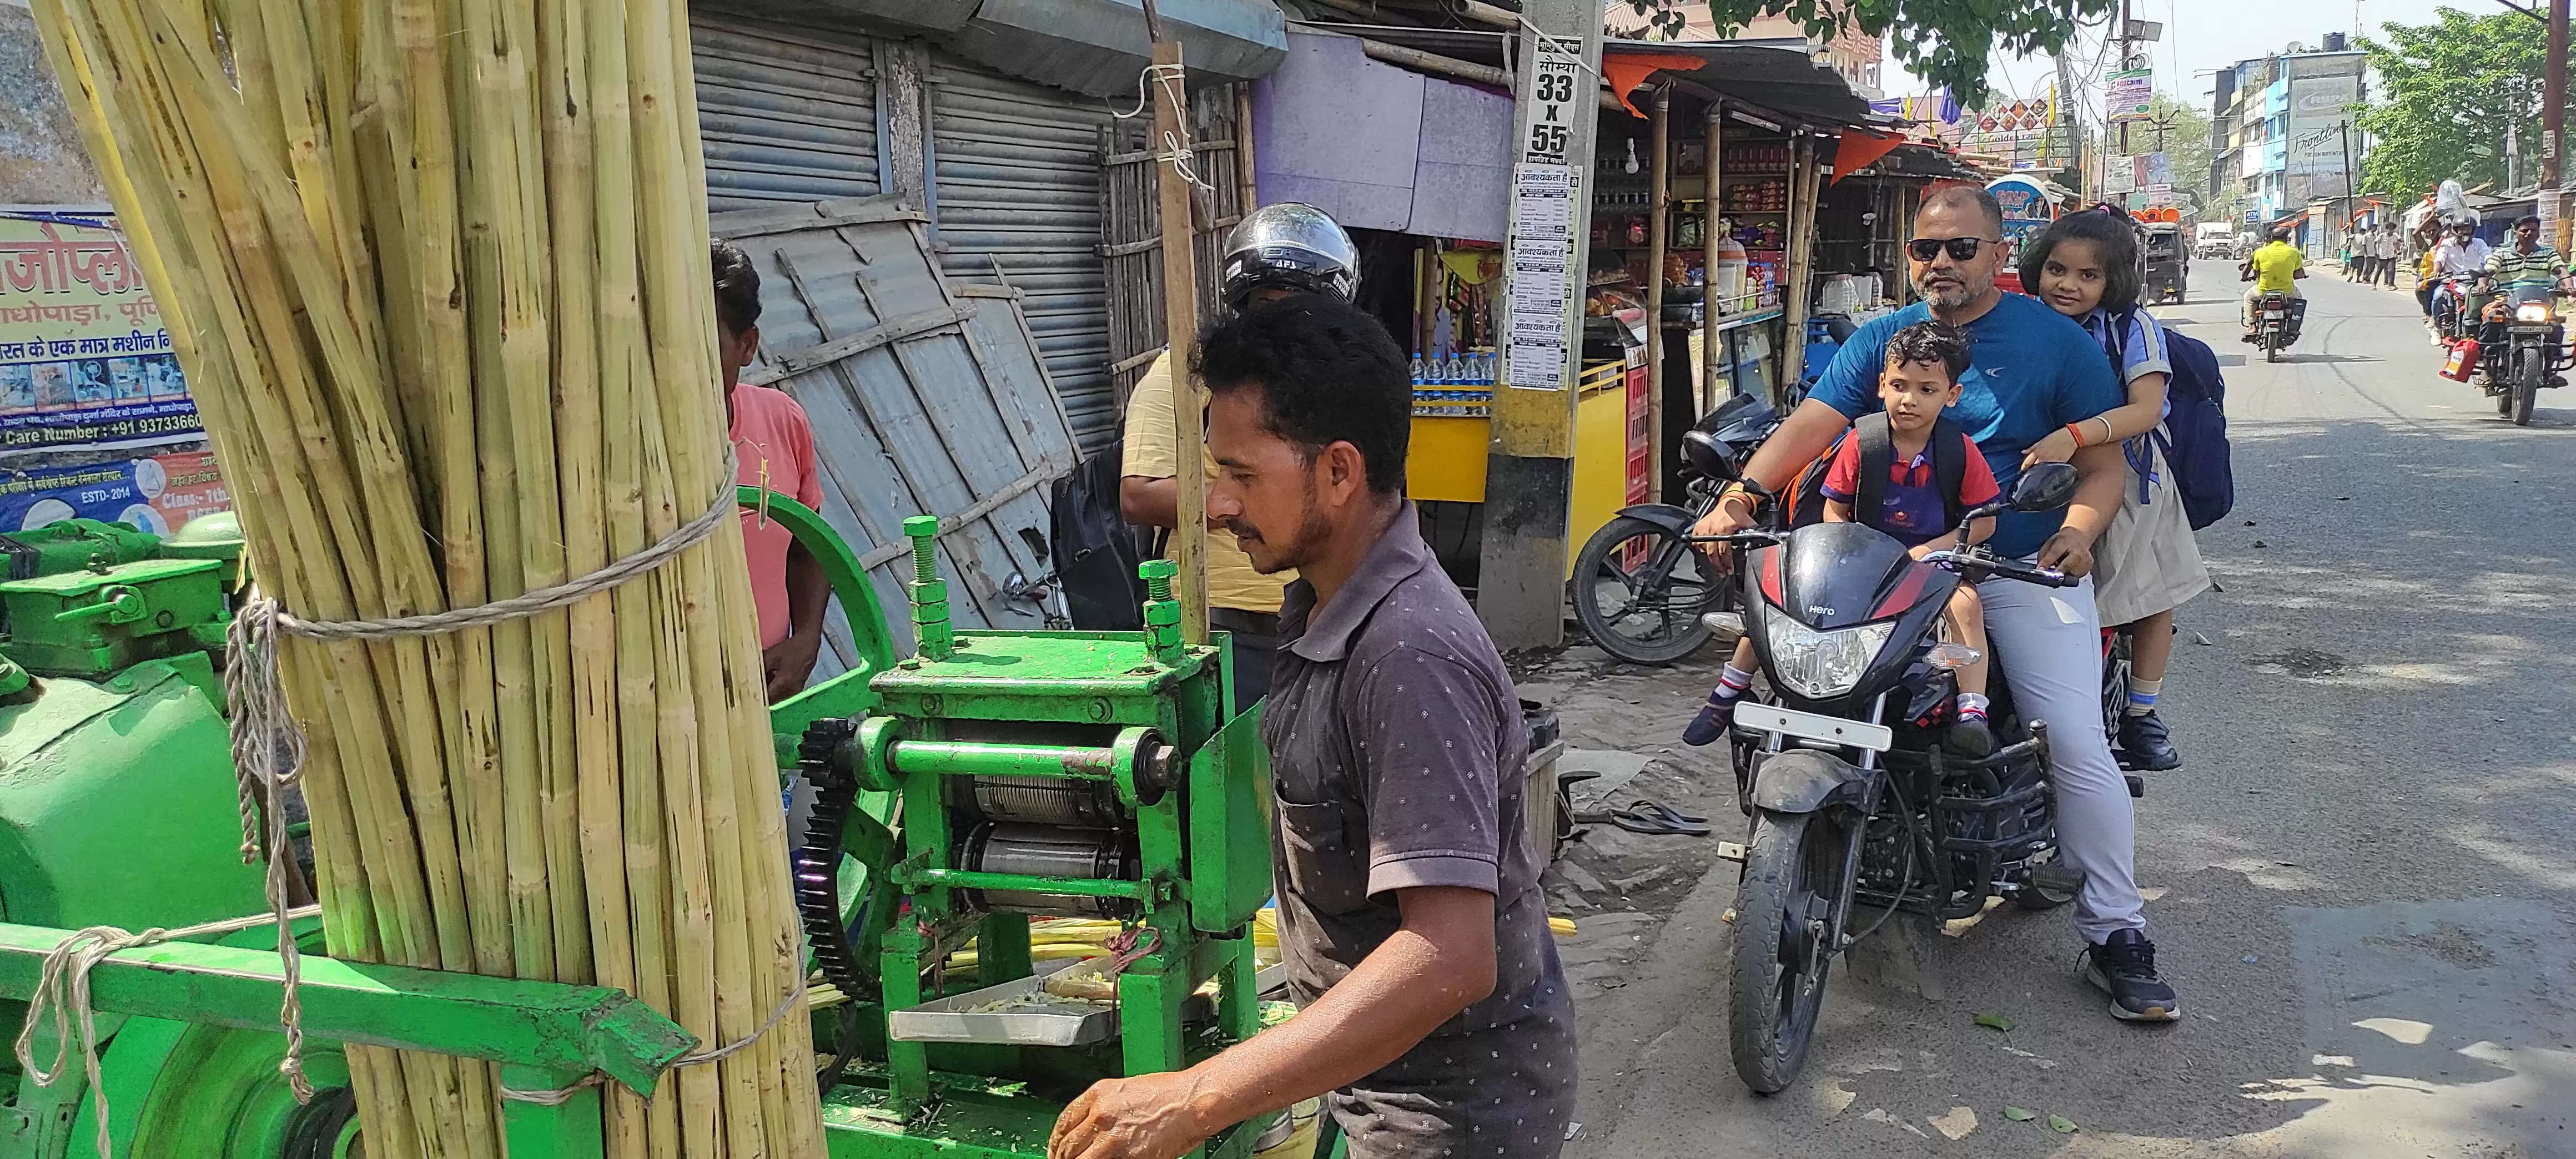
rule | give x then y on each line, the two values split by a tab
158	494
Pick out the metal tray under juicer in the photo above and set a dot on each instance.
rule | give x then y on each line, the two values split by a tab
1043	1021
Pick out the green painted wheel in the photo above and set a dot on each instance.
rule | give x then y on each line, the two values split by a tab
219	1095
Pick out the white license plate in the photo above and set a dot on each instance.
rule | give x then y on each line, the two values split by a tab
1815	726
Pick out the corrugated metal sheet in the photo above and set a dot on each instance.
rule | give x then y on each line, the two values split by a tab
788	115
1016	191
925	397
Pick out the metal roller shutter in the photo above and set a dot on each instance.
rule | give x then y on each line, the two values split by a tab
1017	168
788	116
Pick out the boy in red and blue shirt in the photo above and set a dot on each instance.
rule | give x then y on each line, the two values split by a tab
1921	379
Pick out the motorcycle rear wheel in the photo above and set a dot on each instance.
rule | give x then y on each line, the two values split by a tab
1657	625
1792	870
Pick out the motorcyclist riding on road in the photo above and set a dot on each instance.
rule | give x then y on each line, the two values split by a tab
2033	372
2461	255
2524	264
2274	269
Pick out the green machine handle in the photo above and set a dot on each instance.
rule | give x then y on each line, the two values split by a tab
118	603
848	694
840	565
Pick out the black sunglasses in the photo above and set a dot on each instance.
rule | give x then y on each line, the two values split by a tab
1961	249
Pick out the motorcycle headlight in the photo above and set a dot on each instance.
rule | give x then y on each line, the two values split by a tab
2531	312
1816	665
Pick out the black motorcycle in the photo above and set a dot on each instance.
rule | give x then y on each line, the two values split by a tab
1854	804
2528	354
1640	590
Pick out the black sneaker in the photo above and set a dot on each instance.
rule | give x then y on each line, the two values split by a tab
1970	736
2124	966
2145	745
1712	720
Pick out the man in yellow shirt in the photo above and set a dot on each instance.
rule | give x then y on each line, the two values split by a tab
2276	269
1276	251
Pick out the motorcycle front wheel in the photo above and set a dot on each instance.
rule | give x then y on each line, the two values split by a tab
1639	591
1783	918
2529	368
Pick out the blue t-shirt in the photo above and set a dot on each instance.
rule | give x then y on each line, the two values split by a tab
2031	370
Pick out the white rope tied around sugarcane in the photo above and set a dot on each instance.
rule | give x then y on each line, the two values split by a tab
561	1095
268	747
61	999
1176	146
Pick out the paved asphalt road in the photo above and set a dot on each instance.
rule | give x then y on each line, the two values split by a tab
2363	880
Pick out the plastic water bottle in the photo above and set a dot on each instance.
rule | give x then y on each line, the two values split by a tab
1420	372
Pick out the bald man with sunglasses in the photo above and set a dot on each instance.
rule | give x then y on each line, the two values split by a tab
2033	372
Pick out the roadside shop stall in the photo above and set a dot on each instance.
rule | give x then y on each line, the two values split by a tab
1711	164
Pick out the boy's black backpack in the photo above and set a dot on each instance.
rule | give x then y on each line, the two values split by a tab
2194	438
1095	549
1877	460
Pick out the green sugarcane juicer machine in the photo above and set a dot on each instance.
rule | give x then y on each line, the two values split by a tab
953	795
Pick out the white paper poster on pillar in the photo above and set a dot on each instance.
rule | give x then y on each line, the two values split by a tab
1541	258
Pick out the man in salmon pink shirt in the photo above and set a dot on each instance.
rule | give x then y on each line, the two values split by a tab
773	445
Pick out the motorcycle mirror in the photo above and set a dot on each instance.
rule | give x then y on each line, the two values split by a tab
2044	487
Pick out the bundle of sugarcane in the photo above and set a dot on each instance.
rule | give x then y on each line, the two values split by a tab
437	273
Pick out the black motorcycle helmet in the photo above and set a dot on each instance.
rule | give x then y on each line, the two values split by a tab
1288	246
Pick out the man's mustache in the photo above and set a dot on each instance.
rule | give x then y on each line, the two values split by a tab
1241	529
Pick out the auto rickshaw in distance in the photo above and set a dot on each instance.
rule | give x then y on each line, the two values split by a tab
2166	262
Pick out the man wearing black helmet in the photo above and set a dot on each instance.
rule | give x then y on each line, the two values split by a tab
1276	251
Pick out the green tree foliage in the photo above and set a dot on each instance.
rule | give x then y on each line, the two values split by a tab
2450	91
1945	41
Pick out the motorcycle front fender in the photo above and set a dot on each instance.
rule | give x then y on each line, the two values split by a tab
1805	780
1674	519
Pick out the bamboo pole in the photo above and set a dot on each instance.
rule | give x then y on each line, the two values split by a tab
1712	209
434	269
1658	232
1180	327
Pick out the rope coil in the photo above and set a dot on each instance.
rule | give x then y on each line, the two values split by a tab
61	998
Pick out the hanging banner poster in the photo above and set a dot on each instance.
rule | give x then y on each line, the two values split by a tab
84	358
2130	93
159	494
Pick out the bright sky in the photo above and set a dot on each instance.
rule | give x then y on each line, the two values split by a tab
2203	35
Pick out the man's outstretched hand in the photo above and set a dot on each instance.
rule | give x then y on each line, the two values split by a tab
1146	1117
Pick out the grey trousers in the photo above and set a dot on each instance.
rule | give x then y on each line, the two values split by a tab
2049	643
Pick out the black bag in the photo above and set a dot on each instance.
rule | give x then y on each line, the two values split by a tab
1096	551
1948	446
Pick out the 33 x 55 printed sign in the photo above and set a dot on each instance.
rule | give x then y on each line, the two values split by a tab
84	358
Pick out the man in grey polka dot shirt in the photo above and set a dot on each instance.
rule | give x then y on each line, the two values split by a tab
1410	919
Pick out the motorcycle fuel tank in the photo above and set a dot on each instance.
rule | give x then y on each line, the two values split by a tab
1836	575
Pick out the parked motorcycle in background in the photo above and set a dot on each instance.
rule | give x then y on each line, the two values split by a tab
1640	589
